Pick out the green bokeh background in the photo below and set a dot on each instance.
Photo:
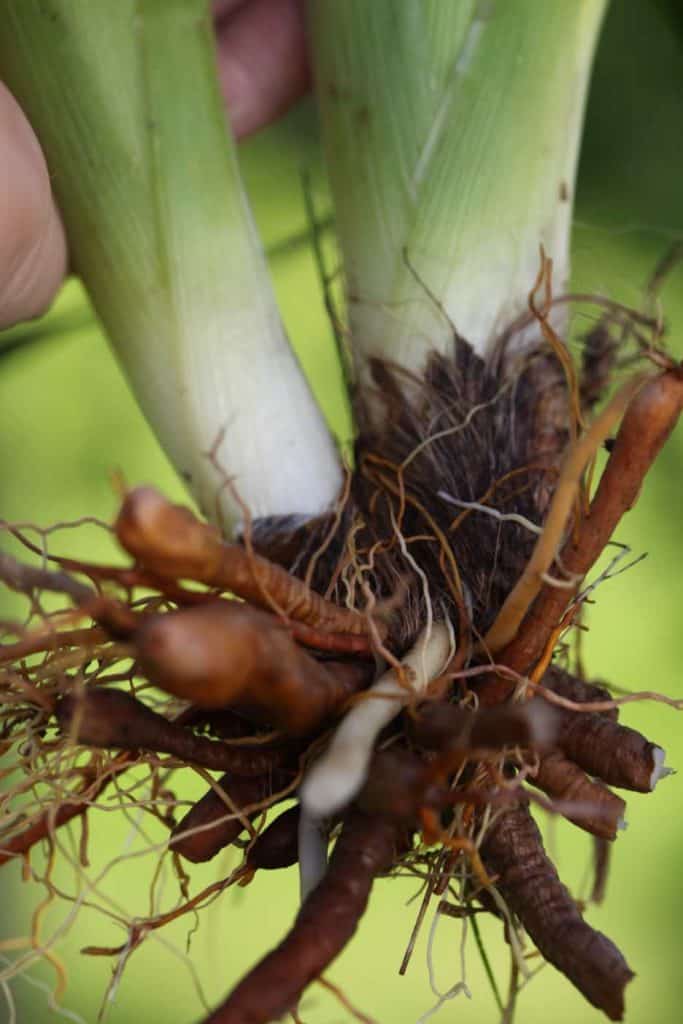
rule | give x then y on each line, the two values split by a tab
67	420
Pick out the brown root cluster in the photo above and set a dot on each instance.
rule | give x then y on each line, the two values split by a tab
470	505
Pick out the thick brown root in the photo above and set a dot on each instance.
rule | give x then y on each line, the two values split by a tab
513	850
601	811
618	755
278	845
212	824
114	719
226	652
172	543
366	847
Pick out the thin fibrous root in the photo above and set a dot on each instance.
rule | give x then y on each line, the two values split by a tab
140	928
117	618
75	805
227	652
328	918
599	810
513	850
171	542
108	719
215	822
47	639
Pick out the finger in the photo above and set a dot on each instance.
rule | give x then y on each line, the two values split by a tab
262	61
32	243
222	7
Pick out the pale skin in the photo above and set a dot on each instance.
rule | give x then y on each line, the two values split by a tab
263	70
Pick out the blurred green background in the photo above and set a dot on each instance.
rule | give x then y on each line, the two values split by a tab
67	420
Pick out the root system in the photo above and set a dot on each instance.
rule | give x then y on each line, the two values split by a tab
395	663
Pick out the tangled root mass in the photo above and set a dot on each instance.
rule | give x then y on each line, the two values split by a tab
455	474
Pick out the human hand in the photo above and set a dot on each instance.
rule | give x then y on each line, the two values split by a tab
262	59
263	69
32	244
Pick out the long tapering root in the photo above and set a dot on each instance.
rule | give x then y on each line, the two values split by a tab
367	847
112	719
513	850
457	730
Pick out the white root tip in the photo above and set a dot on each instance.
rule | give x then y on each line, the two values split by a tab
659	769
336	777
332	782
622	824
312	849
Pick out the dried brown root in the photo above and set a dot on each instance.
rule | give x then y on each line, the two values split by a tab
334	643
26	579
560	778
104	718
392	546
171	542
277	846
367	847
227	652
226	724
513	850
216	821
599	811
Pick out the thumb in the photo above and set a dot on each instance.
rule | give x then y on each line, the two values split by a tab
32	242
